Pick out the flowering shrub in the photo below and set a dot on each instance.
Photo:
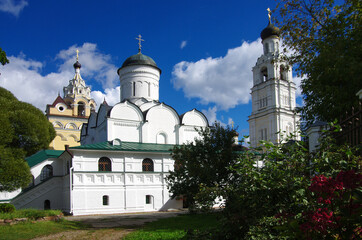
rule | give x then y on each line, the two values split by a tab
336	209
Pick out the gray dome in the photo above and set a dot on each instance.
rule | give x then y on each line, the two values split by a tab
139	59
270	30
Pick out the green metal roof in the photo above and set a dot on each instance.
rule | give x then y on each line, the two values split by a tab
128	146
42	155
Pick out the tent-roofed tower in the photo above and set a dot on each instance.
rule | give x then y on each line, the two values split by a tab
69	113
273	93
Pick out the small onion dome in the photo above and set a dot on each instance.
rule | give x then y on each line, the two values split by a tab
77	65
139	59
270	30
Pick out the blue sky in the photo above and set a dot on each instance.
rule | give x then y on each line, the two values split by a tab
205	49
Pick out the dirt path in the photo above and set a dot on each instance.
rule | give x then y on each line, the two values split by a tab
114	226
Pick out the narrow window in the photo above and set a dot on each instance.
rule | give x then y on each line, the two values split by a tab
282	73
81	109
149	89
261	134
46	172
265	134
105	200
134	89
266	48
104	164
147	165
46	205
148	199
264	74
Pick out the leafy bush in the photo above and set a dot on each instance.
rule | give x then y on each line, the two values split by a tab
6	208
32	214
294	195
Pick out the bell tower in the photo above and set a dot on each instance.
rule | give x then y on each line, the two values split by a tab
69	113
272	94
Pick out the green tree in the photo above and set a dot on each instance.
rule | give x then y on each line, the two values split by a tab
24	130
270	200
203	164
3	58
326	41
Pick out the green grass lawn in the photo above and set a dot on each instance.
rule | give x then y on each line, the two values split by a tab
168	228
176	227
29	230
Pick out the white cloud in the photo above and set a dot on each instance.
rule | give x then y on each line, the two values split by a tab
183	44
111	95
24	78
210	114
225	81
94	64
12	6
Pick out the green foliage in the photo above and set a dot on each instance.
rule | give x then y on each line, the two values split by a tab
6	208
31	214
203	164
24	130
326	41
3	58
270	201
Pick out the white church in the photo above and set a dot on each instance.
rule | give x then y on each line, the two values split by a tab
125	149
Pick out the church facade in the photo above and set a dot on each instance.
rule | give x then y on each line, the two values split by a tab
125	149
124	155
273	116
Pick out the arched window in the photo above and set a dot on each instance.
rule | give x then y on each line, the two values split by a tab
47	204
46	172
147	165
161	138
81	109
105	200
282	73
104	164
264	74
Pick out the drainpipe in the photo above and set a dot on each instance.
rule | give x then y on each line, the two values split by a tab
71	190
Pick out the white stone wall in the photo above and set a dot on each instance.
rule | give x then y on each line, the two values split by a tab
139	81
126	186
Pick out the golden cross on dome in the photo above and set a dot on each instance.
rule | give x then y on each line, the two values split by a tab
269	13
77	51
232	124
140	40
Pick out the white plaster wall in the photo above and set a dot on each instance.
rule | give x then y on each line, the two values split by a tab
126	188
144	78
124	130
126	111
163	119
